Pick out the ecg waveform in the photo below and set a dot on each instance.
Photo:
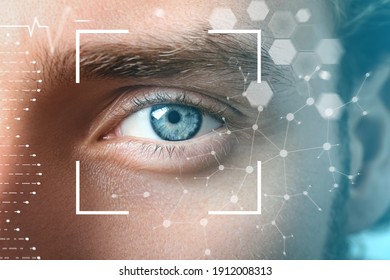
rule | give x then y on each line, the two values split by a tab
37	25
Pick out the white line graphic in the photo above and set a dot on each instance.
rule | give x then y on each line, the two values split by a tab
78	211
90	31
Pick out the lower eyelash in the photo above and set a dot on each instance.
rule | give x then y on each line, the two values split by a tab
192	156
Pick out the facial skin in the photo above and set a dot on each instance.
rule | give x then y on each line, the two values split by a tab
163	185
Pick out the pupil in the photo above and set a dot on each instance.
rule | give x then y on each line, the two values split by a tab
174	117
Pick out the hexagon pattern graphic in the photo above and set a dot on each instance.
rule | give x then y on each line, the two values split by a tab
282	52
257	10
329	105
329	51
259	94
222	18
306	38
305	64
282	24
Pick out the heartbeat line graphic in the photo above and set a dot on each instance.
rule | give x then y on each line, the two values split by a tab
37	25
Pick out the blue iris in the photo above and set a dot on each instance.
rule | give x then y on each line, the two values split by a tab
172	122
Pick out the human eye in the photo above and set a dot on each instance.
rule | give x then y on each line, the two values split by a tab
168	122
168	129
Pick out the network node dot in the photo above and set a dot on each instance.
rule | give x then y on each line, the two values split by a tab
203	222
234	199
38	258
290	117
355	99
368	74
327	146
244	93
38	90
286	197
310	101
185	191
207	252
255	127
7	221
26	238
249	169
320	209
350	177
228	132
307	78
336	186
273	223
260	108
305	193
283	153
227	98
329	112
332	169
114	195
364	113
167	223
221	167
213	153
146	194
284	253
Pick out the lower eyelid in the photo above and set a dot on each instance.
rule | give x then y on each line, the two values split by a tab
185	157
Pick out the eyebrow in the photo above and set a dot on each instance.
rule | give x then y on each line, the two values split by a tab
225	56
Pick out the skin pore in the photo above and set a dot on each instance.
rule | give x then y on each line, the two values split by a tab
167	187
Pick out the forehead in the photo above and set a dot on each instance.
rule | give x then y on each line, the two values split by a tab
149	17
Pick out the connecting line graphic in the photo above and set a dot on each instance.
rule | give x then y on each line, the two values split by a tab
90	31
257	211
78	211
245	31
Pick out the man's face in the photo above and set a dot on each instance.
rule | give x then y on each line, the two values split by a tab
168	123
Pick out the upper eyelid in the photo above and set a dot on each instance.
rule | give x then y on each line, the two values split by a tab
160	95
